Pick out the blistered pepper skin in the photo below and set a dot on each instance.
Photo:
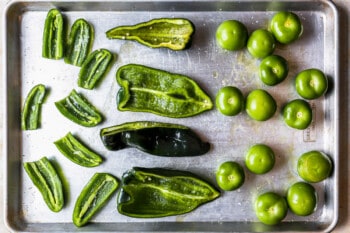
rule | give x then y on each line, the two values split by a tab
53	42
160	192
156	138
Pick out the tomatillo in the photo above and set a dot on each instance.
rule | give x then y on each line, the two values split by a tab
230	176
229	101
286	27
297	114
311	83
260	159
261	43
273	70
271	208
260	105
232	35
302	198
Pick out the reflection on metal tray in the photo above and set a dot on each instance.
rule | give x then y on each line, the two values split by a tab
206	63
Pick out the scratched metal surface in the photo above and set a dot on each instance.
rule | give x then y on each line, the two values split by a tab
206	63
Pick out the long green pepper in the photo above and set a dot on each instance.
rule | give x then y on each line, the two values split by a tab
53	35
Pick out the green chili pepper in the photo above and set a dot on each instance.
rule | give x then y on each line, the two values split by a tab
94	68
45	178
79	42
172	33
30	118
77	109
162	139
93	197
77	152
144	89
159	192
53	47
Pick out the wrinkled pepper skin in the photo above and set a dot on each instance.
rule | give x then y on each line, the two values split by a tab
79	42
93	197
30	119
94	68
160	192
45	178
53	35
77	109
172	33
77	152
145	89
156	138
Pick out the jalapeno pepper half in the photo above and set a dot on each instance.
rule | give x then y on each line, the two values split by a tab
53	42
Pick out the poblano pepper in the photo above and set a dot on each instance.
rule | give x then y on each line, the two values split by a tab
45	178
93	197
172	33
162	139
53	35
160	192
145	89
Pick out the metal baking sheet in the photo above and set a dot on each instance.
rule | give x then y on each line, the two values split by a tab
206	63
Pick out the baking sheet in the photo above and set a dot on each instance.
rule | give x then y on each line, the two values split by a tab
206	63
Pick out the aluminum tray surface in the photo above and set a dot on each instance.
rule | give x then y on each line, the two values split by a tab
206	63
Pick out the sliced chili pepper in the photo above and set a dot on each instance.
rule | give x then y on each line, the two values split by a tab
30	118
162	139
172	33
93	197
94	68
160	192
79	42
145	89
53	42
45	178
77	109
77	152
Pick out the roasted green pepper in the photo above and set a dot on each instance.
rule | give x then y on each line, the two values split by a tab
77	109
79	42
93	197
172	33
53	42
159	192
30	118
145	89
163	139
94	68
77	152
45	178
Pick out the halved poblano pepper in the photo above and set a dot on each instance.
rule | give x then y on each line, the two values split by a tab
156	138
94	68
53	42
30	118
77	152
79	42
145	89
77	109
45	178
160	192
172	33
93	197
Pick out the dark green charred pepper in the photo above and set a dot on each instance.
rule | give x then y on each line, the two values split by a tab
46	179
172	33
79	42
144	89
30	118
94	68
93	197
53	42
162	139
77	109
159	192
77	152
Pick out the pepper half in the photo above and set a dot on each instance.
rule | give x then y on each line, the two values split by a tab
79	42
160	192
30	119
156	138
172	33
45	178
145	89
94	68
93	197
77	152
53	42
77	109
